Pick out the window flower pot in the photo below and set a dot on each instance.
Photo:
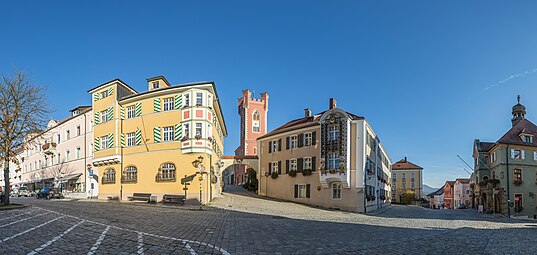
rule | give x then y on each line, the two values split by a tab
184	138
274	175
197	137
306	172
292	173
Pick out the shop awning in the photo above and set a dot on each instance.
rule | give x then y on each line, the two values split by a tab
69	177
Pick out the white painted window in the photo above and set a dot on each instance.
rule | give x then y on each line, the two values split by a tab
199	129
131	139
67	154
186	130
77	152
168	133
187	100
274	146
168	171
78	130
307	163
168	104
199	99
333	133
333	161
336	190
131	112
104	94
293	164
535	155
67	135
307	139
294	142
104	142
274	167
302	190
103	115
517	154
155	85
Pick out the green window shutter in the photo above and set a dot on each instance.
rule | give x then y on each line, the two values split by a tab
122	140
122	112
138	136
138	109
96	118
110	140
156	134
178	101
110	91
110	113
96	97
156	105
96	144
178	132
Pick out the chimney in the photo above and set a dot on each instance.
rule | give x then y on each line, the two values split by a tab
307	112
333	103
405	159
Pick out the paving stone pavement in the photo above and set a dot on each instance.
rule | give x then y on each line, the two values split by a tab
242	223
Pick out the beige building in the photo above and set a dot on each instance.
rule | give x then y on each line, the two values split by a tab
332	159
406	178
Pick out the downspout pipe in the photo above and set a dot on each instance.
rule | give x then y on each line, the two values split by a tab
507	174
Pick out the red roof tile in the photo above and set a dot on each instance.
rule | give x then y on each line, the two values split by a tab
405	164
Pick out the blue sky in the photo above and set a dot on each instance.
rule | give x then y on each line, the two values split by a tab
417	70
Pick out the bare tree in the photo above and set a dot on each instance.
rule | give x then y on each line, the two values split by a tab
23	109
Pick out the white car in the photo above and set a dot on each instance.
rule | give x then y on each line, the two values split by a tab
23	192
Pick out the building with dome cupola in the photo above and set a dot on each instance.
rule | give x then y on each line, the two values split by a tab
505	171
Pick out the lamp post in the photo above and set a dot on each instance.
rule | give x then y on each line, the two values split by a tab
198	164
90	174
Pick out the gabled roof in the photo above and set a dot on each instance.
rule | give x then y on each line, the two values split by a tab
513	135
463	180
405	164
439	192
451	183
485	146
302	123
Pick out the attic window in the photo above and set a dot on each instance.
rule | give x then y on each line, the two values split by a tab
527	138
155	84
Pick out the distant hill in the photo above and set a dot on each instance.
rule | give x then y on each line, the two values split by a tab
428	189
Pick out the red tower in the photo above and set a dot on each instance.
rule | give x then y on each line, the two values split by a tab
253	114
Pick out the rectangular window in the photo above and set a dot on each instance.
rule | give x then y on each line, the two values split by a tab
168	133
187	100
199	129
301	190
103	115
104	142
307	139
58	158
333	133
293	165
294	142
274	167
59	139
307	163
187	129
104	94
403	175
67	155
78	130
274	146
333	161
411	175
131	139
199	99
516	154
517	176
67	135
336	190
155	85
168	104
131	112
77	152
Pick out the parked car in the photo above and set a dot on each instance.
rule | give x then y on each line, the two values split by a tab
23	192
49	193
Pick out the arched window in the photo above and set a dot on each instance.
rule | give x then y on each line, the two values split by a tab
131	174
255	122
166	172
109	176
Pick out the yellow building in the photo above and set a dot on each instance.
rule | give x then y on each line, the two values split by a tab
146	142
407	178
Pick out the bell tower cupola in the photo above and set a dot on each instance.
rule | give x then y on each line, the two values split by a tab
519	112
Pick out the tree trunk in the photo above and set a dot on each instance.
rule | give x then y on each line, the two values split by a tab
7	190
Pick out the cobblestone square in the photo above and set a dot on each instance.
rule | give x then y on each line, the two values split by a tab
241	223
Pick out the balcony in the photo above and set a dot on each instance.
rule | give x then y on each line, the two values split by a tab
49	148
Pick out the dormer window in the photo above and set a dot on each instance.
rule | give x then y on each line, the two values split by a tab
527	138
155	85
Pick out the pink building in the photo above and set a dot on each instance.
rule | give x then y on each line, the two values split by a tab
461	192
253	114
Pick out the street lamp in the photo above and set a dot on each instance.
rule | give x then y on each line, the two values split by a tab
198	164
90	173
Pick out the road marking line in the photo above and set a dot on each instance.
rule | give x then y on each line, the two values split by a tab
11	217
189	248
26	231
99	241
15	222
221	250
54	239
140	243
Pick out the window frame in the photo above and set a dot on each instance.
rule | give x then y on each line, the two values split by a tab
131	111
308	139
168	134
131	139
308	163
199	99
336	190
302	191
167	104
